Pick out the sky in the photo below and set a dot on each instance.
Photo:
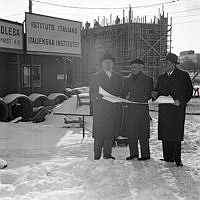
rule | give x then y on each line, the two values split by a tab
185	14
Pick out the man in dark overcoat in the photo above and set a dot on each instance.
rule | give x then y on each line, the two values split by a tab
171	117
106	115
138	88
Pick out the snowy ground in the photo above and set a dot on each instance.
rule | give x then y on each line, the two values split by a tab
47	161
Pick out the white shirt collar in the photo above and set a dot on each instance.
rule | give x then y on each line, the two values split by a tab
170	73
108	73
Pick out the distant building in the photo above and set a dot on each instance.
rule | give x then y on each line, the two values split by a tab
190	61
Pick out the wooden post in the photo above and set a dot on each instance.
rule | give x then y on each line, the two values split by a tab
31	73
65	72
18	73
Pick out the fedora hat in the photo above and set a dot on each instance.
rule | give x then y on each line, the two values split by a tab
173	58
137	61
107	56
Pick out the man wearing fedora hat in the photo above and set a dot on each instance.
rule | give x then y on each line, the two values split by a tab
171	117
106	115
138	87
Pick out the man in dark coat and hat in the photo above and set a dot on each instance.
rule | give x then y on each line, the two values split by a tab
106	115
171	117
138	88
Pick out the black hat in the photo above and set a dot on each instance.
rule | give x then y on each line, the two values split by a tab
137	61
173	58
107	56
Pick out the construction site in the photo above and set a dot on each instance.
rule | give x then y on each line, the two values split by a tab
126	39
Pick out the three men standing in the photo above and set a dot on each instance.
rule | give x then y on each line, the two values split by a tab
106	115
171	117
138	89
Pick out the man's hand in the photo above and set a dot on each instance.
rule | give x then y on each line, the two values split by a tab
177	102
99	96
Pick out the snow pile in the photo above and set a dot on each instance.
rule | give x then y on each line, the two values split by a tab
48	162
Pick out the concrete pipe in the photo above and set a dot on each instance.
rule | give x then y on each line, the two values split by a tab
19	105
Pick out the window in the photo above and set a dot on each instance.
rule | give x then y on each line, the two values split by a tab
27	72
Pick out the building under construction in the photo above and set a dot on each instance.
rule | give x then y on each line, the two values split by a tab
126	40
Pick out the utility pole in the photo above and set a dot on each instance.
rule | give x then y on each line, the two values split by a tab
30	6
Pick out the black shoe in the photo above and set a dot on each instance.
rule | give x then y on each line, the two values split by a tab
109	157
97	158
166	160
144	158
131	157
179	164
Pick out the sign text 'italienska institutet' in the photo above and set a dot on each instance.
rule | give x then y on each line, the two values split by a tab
52	35
11	35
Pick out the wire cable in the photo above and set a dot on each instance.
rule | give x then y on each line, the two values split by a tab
105	8
14	14
184	22
194	9
186	16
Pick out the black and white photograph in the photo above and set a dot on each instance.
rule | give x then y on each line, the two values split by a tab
99	100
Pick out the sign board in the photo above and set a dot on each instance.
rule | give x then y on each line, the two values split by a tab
11	35
60	76
51	35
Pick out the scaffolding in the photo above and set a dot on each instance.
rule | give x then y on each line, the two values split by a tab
126	41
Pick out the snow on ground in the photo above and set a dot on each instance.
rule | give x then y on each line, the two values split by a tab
47	161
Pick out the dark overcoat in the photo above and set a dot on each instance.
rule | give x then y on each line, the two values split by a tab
106	115
137	119
171	118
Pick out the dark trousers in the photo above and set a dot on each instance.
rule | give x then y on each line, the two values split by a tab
144	147
102	143
172	150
